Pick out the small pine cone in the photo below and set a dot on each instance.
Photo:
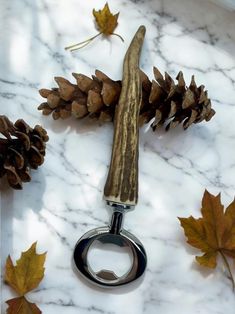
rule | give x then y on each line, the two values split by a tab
171	104
163	100
21	149
95	97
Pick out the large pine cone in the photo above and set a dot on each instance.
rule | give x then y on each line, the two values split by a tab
21	149
163	100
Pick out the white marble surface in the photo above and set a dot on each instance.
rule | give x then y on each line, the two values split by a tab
64	198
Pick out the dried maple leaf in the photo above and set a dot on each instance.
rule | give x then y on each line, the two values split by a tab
105	20
106	23
214	233
22	306
24	277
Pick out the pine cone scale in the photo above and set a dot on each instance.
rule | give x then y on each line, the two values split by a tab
17	158
24	139
66	89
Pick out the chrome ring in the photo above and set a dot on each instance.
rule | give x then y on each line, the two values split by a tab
107	278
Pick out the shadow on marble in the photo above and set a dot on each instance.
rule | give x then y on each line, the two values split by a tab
16	204
174	143
72	125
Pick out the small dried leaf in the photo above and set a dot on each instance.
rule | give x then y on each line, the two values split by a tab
22	306
214	233
105	20
207	260
27	273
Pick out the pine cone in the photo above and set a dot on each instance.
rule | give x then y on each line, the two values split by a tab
163	100
21	149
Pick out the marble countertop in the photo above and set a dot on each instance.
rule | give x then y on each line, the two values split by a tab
64	198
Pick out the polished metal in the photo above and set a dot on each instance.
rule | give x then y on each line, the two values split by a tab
114	234
120	206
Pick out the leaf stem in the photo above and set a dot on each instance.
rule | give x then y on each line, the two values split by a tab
118	36
81	44
228	268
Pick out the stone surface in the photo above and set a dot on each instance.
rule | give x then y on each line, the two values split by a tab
64	199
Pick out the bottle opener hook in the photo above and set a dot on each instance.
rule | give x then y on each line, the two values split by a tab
114	234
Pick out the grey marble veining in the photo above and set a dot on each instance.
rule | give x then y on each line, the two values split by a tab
64	199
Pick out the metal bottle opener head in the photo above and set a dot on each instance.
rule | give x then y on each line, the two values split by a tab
114	234
121	188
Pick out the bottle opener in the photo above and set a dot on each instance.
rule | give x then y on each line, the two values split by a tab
121	188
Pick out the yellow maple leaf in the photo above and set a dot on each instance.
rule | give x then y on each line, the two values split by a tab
22	306
28	271
214	233
105	20
106	23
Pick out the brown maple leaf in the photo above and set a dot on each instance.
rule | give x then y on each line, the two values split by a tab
106	23
214	233
105	20
22	306
24	277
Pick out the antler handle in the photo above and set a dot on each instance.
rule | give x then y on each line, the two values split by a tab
122	182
